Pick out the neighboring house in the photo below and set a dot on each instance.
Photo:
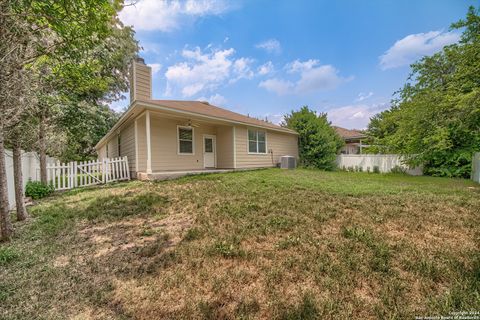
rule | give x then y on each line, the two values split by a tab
353	140
172	135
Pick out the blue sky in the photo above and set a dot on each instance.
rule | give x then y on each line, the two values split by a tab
266	58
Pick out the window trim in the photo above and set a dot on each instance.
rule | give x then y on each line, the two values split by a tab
248	142
178	141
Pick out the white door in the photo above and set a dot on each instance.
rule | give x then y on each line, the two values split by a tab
209	151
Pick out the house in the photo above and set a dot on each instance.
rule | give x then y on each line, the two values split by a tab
172	135
353	140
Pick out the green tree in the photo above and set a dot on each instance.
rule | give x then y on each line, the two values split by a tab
73	110
435	118
318	142
34	30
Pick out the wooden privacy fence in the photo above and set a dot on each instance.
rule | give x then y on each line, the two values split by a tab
63	176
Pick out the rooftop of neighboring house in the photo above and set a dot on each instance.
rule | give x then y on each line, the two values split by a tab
348	134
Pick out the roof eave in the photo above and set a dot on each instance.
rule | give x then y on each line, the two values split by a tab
123	118
154	106
162	107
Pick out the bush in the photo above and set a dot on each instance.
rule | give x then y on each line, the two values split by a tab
38	190
318	142
398	169
376	169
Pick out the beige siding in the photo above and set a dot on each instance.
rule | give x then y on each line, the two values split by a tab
127	143
141	83
280	143
142	143
113	147
102	152
165	145
225	147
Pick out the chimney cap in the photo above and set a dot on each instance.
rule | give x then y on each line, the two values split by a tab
139	60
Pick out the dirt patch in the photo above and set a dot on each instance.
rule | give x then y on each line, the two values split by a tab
134	232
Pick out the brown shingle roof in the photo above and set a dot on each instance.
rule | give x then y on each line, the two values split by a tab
349	134
206	109
195	107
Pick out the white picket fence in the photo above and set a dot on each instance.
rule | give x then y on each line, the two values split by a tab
75	174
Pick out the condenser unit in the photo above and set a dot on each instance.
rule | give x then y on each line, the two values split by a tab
287	162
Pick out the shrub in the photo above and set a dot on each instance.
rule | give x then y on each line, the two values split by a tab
38	190
318	141
376	169
398	169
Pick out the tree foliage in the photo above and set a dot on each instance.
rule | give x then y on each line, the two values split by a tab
78	91
59	61
435	117
318	141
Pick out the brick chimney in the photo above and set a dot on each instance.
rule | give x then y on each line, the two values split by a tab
140	80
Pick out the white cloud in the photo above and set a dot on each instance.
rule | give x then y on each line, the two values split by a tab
270	45
274	118
313	77
167	15
241	68
354	116
122	104
279	86
363	96
414	46
319	78
206	71
216	99
299	66
156	67
265	68
151	47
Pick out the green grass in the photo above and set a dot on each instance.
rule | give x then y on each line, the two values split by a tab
266	244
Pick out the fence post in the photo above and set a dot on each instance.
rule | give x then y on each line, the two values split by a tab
127	168
75	174
104	170
69	170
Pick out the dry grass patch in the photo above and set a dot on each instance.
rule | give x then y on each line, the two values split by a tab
253	245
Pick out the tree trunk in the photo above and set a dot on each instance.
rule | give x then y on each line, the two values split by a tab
6	228
18	178
42	149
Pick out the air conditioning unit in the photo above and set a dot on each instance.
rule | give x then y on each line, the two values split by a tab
288	162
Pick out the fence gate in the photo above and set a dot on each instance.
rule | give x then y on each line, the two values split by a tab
75	174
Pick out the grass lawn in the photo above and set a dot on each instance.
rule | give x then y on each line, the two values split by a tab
266	244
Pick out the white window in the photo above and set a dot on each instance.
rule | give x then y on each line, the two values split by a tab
257	142
185	140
